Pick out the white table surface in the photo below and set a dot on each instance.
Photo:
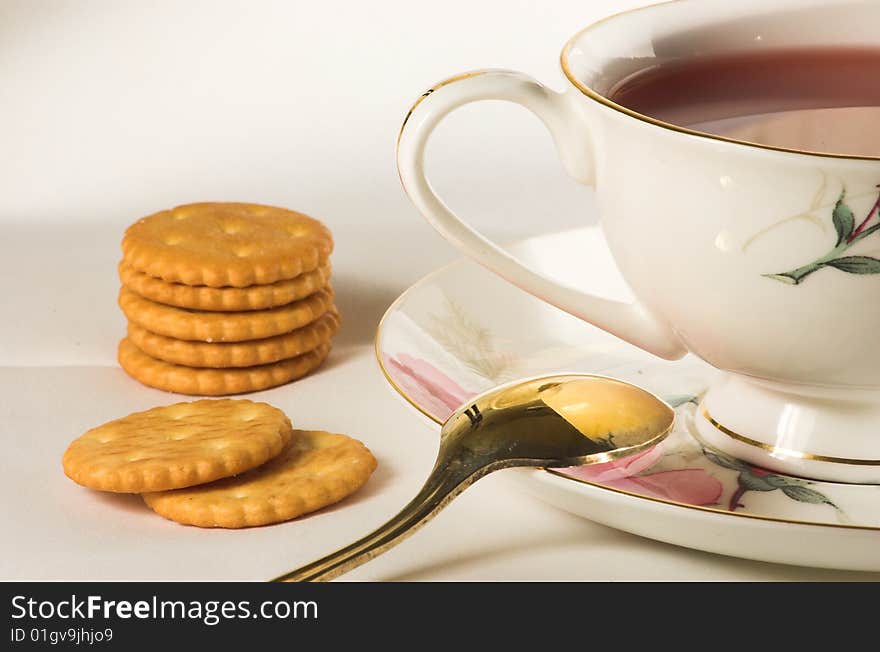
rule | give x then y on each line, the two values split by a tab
116	109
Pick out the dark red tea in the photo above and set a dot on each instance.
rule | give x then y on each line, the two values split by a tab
818	99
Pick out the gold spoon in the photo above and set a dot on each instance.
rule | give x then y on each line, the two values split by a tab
553	421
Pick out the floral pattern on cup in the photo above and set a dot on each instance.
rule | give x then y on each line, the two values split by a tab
848	234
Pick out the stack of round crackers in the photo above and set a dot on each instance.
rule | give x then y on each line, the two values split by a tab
225	298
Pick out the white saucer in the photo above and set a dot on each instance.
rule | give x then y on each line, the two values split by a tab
462	330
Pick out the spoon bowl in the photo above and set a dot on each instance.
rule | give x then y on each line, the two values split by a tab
550	421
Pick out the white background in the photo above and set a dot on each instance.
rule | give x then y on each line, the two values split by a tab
115	109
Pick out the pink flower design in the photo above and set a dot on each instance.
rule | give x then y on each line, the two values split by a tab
690	486
441	396
619	469
430	387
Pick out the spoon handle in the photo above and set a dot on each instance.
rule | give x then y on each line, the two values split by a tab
443	485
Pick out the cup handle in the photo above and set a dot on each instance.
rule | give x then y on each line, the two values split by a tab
629	321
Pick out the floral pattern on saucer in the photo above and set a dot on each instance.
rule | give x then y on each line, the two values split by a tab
437	354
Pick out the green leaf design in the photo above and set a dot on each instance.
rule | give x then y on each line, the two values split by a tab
844	220
780	481
848	234
788	277
796	276
864	234
678	400
856	264
754	483
806	495
726	462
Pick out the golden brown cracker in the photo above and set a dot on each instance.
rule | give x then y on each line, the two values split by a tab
200	381
236	354
229	299
226	244
205	326
316	469
177	446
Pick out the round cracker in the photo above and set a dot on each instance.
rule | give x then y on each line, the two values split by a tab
177	446
205	326
226	244
316	469
202	297
236	354
200	381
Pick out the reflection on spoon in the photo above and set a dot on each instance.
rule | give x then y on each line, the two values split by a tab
552	421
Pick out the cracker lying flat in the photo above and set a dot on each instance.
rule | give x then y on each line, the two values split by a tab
215	382
205	326
236	354
177	446
226	244
203	297
316	469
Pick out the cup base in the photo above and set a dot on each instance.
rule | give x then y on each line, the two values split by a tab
823	433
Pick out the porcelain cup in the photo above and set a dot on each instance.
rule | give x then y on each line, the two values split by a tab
763	261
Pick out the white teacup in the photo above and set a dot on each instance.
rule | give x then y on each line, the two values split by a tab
706	232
